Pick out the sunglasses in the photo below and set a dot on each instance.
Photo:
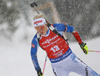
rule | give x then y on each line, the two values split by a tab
39	28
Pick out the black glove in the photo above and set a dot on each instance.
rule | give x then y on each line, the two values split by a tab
39	73
84	47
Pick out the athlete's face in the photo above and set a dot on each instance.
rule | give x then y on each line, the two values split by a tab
42	29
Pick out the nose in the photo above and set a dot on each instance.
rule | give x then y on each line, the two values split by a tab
40	30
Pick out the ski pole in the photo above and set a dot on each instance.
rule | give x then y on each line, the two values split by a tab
33	6
44	64
94	51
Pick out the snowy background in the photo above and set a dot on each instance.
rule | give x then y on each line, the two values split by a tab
17	31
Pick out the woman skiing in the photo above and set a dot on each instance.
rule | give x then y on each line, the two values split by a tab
50	38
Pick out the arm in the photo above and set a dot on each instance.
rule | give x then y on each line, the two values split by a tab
34	46
68	28
78	38
34	53
75	33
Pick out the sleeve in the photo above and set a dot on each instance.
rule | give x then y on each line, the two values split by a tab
34	46
75	33
59	27
63	28
77	36
68	28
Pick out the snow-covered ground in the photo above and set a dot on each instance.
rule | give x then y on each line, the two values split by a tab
15	58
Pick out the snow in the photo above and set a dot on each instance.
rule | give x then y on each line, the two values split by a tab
15	58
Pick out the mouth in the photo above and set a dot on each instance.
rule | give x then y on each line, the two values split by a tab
41	33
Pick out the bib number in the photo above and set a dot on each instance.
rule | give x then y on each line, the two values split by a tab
55	48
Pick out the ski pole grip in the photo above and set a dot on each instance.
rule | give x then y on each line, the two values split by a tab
33	4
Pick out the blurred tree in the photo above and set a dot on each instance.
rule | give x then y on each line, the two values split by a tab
82	14
79	13
8	13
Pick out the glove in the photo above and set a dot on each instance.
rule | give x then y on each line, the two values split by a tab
39	73
84	47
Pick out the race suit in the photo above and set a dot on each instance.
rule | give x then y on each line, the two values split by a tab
63	60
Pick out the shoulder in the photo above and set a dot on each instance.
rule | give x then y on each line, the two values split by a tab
34	38
59	26
70	28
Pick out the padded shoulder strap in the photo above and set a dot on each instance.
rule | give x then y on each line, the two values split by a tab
56	32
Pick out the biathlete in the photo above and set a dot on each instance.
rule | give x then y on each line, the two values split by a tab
50	38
